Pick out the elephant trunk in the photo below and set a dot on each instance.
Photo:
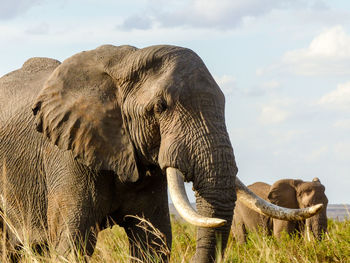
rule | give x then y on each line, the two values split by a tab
206	159
215	197
211	242
317	224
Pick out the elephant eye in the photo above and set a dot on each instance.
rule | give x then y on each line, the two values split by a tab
160	107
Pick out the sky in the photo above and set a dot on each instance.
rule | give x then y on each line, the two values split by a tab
283	65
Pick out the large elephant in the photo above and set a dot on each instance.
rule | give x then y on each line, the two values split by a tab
117	127
289	193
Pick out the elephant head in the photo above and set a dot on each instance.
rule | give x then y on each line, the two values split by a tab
130	111
300	194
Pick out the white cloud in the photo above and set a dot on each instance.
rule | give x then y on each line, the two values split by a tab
270	85
283	136
91	34
317	154
13	8
328	53
338	99
38	29
342	150
272	114
226	83
136	22
342	124
223	14
264	88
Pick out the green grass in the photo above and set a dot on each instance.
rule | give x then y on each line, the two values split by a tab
333	248
112	246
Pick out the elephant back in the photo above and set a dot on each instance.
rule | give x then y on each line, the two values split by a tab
261	189
19	88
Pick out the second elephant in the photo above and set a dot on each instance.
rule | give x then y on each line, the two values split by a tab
289	193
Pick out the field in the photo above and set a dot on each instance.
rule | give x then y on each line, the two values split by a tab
112	246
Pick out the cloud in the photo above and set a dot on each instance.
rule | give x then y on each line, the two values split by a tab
39	29
223	14
264	88
12	8
332	43
342	124
338	99
328	53
227	84
272	114
286	136
136	22
317	154
270	85
342	150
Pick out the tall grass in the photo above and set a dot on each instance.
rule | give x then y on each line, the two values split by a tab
112	246
334	247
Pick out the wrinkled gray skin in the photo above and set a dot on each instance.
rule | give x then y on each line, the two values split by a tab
110	121
286	193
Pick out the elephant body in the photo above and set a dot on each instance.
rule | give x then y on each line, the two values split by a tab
288	193
49	194
85	143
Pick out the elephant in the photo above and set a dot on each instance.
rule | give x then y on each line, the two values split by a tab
291	193
98	139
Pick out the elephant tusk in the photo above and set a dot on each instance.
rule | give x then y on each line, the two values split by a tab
182	204
263	207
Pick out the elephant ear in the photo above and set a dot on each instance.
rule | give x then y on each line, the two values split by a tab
283	193
78	110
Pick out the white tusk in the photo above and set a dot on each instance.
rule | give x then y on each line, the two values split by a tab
251	200
183	206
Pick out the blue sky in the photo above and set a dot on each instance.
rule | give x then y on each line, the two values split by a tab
284	66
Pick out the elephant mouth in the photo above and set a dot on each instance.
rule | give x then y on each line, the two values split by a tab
178	195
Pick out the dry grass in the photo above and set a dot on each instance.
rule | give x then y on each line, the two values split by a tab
112	246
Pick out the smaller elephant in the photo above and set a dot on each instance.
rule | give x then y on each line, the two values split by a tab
288	193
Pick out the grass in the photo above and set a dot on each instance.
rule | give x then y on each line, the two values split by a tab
333	248
112	246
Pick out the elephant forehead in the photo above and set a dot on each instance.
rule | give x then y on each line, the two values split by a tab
308	186
195	84
312	192
178	84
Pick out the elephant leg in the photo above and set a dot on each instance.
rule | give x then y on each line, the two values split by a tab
240	232
10	246
147	223
147	241
281	226
78	200
69	224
